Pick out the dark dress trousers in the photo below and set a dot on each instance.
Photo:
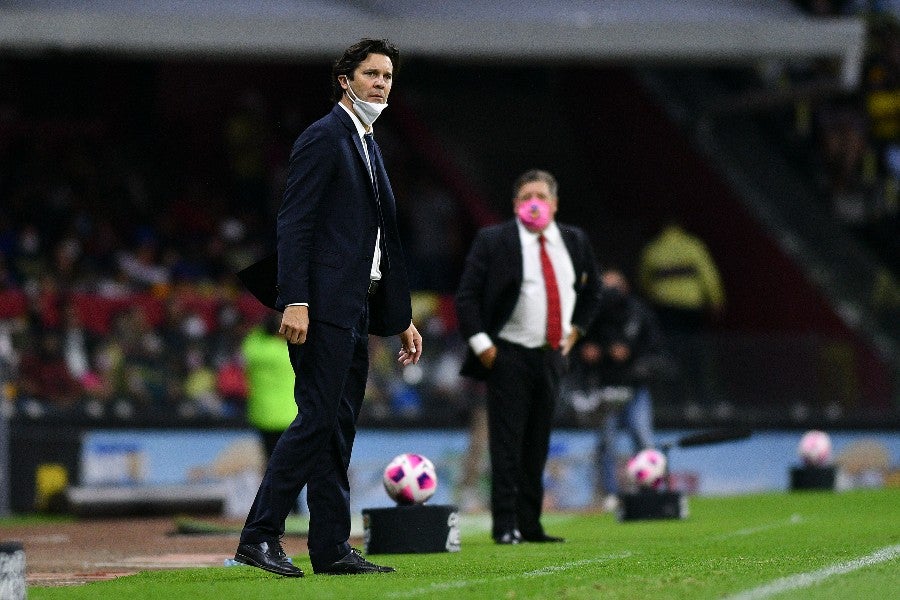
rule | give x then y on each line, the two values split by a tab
523	384
326	230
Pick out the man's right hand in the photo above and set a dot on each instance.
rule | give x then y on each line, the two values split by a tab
295	324
488	357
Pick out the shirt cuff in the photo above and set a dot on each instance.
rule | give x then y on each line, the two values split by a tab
306	304
480	342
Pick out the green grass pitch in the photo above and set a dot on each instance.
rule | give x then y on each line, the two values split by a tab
778	545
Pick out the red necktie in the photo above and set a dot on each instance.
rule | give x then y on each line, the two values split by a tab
554	314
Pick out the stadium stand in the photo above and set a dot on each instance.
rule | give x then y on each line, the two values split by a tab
137	178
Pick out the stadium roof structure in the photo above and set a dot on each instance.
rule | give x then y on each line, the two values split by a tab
679	31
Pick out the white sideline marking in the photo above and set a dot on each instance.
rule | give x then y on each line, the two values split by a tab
578	563
793	520
803	580
548	570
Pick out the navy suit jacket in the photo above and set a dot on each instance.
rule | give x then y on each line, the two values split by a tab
326	233
492	279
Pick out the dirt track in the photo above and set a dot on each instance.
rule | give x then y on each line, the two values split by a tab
91	550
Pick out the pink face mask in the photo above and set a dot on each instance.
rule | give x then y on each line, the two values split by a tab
534	213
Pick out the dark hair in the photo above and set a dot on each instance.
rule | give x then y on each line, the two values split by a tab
354	55
536	175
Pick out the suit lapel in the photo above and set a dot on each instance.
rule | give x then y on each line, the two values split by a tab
570	243
513	247
576	255
348	123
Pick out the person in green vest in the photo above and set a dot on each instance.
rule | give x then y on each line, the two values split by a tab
270	377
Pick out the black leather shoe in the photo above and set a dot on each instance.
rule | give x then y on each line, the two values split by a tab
268	556
508	536
352	564
543	538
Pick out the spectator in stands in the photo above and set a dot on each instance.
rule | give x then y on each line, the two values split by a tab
231	385
882	100
226	357
142	265
44	303
150	382
623	352
172	329
529	286
8	243
886	300
77	342
7	280
849	180
107	386
200	391
66	265
102	243
8	362
679	278
45	376
29	261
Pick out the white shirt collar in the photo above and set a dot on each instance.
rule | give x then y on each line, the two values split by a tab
551	233
360	128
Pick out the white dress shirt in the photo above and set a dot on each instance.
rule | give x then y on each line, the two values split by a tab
527	325
361	130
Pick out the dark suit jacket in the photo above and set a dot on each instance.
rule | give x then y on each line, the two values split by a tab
326	234
492	279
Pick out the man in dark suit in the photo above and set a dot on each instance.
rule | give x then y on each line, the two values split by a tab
340	276
528	291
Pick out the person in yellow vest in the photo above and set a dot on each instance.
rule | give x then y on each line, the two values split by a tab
270	377
677	275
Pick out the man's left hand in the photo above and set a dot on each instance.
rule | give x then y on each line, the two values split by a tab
570	342
410	346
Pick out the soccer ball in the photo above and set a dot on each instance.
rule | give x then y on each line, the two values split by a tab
410	479
647	468
815	448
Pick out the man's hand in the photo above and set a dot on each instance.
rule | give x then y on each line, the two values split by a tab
488	357
570	341
295	324
410	346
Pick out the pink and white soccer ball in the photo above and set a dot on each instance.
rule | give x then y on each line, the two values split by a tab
410	479
815	448
647	468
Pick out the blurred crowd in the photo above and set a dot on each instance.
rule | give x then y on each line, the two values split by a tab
856	137
122	225
118	295
112	301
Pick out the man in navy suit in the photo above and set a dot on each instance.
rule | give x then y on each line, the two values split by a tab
529	289
340	276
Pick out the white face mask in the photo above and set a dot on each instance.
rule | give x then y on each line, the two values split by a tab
366	111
